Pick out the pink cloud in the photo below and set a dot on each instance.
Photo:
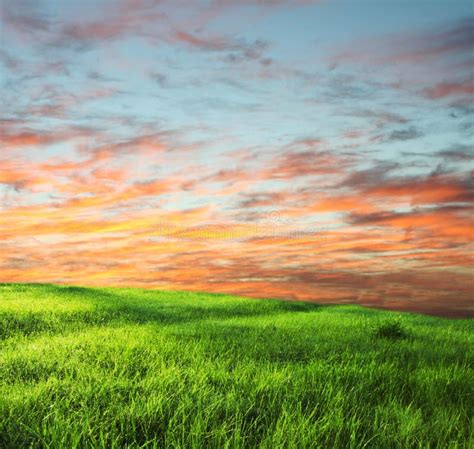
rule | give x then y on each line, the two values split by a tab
446	89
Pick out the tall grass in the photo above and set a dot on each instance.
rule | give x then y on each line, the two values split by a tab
115	368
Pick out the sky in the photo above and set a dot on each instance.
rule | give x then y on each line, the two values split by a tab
315	150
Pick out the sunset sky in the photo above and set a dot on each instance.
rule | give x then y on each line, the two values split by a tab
315	150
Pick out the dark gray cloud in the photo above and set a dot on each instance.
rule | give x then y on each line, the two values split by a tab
457	153
404	134
26	16
385	217
160	79
370	177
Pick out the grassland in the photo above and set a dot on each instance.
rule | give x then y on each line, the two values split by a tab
115	368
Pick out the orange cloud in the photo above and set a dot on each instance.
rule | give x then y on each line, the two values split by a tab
431	190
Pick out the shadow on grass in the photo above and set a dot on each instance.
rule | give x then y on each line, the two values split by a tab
263	342
108	308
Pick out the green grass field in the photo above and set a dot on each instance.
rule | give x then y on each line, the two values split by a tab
116	368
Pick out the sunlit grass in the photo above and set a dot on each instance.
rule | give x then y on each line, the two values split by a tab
104	368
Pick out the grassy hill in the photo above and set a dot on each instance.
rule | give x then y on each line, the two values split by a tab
105	368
